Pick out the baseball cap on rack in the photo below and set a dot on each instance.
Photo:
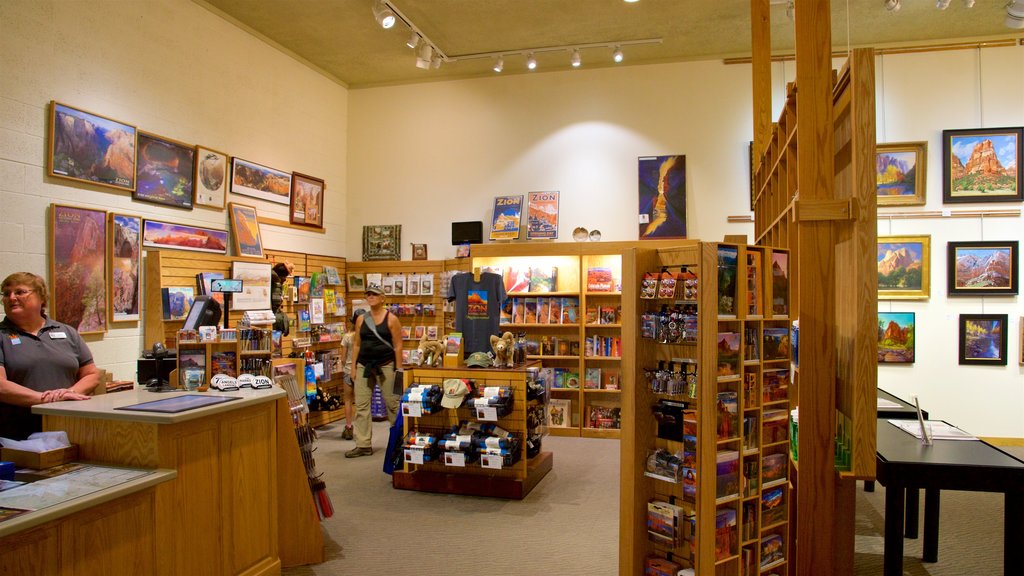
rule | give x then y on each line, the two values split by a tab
455	392
479	360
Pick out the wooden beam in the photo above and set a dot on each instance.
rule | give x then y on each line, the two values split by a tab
786	57
760	29
824	210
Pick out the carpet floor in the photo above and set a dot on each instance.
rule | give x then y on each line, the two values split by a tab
568	524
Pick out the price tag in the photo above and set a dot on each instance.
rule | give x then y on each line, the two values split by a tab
413	456
487	413
455	459
412	409
490	461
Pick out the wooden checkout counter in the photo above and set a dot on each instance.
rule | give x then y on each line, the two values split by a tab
228	494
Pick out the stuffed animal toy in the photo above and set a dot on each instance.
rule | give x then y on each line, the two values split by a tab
431	352
504	350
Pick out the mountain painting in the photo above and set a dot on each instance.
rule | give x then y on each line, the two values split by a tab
983	339
896	337
899	173
982	165
983	268
903	266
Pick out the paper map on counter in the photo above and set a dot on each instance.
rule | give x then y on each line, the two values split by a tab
75	484
939	430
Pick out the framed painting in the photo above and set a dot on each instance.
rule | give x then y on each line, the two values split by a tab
753	169
419	251
307	202
255	277
982	165
245	230
382	242
356	282
125	266
662	195
896	337
904	267
91	148
542	216
505	217
165	171
156	234
258	181
988	268
211	178
983	339
1020	341
900	173
78	270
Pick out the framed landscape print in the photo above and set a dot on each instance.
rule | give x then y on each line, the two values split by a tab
307	202
211	178
125	266
896	337
78	271
542	216
904	267
987	268
245	230
419	251
356	282
156	234
165	171
900	173
255	277
382	242
257	181
91	148
1020	341
982	165
983	339
662	197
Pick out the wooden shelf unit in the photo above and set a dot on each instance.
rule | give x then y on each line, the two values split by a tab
515	481
236	347
720	378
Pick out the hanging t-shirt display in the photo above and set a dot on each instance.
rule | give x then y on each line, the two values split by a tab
477	309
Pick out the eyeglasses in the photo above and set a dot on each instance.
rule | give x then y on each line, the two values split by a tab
19	293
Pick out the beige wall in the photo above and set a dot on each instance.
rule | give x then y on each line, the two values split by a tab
173	68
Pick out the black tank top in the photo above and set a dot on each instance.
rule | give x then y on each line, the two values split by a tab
373	352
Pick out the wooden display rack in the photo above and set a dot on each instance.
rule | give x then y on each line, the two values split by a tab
238	348
513	482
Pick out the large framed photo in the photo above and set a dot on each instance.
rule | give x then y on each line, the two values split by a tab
125	266
983	339
896	336
255	277
245	230
211	178
258	181
78	271
904	267
900	173
662	197
542	216
982	268
307	202
165	171
982	165
382	242
156	234
91	148
505	218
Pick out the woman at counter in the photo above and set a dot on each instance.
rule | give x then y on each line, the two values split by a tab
41	360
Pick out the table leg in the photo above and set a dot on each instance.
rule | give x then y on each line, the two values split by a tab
1013	534
869	485
895	496
931	525
912	515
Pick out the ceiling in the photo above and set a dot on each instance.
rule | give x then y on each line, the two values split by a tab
341	38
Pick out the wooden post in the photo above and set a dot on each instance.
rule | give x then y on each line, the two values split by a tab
761	62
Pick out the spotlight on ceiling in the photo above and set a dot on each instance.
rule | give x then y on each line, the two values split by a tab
942	4
385	15
499	64
617	55
892	5
531	62
424	57
575	59
1015	15
414	41
435	63
631	1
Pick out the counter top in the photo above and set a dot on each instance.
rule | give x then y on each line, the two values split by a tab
104	406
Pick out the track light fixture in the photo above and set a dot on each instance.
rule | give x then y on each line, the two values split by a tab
1015	15
499	64
575	59
942	4
617	54
892	5
424	57
531	62
413	41
384	15
968	3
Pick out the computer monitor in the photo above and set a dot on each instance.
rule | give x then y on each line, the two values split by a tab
467	233
205	311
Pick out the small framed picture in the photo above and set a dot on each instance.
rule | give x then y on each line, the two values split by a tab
1020	341
165	171
419	251
900	171
211	178
356	282
904	267
983	339
896	337
462	251
307	202
245	230
982	268
982	165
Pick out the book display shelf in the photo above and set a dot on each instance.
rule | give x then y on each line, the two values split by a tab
248	352
515	477
706	438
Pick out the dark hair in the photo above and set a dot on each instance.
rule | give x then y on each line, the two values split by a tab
281	269
357	314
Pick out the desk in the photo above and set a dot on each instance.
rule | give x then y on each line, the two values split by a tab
904	411
904	463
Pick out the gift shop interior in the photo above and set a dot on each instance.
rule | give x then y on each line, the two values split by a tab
615	286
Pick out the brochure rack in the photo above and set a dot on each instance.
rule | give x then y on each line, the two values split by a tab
515	481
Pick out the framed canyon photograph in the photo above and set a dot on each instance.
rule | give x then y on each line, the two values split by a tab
78	270
125	267
91	148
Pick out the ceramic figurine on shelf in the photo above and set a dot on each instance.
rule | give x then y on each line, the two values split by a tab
504	350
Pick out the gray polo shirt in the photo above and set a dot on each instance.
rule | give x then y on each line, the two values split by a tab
47	361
